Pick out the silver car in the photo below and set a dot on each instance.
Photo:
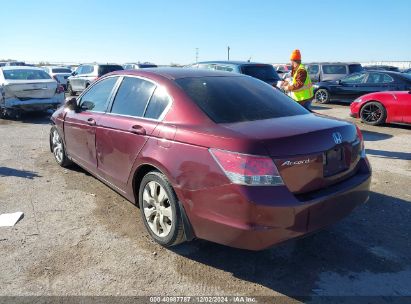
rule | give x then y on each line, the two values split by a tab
59	74
25	89
323	71
86	74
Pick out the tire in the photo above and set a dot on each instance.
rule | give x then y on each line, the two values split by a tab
322	96
160	210
58	148
70	90
373	113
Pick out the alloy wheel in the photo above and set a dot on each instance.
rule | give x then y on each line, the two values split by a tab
321	96
157	209
371	113
57	145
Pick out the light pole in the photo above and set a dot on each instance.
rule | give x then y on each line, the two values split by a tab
196	55
228	53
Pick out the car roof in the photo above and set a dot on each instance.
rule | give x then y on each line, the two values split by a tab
100	64
233	62
177	73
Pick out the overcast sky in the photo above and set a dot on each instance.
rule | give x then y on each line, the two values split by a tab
163	31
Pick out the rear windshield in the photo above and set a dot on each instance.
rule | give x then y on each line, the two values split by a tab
25	74
355	68
262	72
237	99
61	70
105	69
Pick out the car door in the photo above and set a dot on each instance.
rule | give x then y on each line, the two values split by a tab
124	130
404	104
350	87
74	80
80	126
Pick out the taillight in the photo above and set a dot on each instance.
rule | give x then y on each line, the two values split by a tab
60	89
361	138
244	169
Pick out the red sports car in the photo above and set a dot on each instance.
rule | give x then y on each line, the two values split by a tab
213	155
383	107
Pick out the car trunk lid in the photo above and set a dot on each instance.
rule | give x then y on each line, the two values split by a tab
26	89
310	151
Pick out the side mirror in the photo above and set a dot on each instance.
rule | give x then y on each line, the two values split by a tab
74	73
71	103
339	81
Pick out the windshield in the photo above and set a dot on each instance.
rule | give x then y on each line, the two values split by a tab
105	69
263	72
25	74
236	99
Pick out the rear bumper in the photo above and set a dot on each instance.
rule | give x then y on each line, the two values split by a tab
34	104
256	218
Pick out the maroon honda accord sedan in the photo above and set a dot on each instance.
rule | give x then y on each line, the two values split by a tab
213	155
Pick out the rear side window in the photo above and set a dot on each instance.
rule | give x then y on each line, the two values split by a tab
379	78
132	97
223	68
96	98
105	69
262	72
236	99
355	68
25	74
334	69
313	69
157	104
354	78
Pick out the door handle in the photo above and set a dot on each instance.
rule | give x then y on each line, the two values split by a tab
137	129
91	122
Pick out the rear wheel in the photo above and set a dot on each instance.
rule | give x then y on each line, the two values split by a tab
373	113
322	96
57	146
160	210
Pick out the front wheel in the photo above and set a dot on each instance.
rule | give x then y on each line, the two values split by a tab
373	113
160	210
322	96
58	148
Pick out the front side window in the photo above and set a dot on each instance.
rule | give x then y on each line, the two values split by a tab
232	99
354	78
334	69
132	97
61	70
223	68
25	74
157	104
97	97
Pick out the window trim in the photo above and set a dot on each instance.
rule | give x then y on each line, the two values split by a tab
117	87
114	89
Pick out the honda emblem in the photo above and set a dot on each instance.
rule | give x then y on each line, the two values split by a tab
337	137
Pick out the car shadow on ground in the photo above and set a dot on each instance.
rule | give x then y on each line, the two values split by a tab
375	136
389	154
5	171
346	249
42	118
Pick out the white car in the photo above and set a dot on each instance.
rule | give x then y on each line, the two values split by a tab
59	73
26	89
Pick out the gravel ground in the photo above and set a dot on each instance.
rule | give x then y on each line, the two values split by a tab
78	237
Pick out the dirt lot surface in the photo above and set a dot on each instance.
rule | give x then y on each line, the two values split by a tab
78	237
